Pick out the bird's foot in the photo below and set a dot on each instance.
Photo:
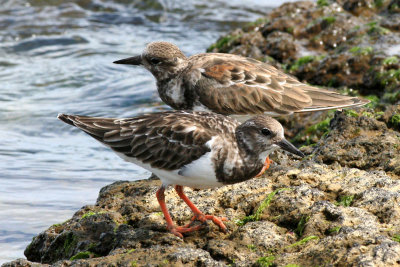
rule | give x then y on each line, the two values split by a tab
204	218
198	215
179	230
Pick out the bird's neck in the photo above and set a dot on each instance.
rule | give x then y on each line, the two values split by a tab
248	150
241	164
172	89
172	92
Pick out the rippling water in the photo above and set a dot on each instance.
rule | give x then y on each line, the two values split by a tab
56	56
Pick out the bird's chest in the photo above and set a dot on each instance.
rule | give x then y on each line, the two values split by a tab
172	93
233	167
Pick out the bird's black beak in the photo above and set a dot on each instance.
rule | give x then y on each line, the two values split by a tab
136	60
286	145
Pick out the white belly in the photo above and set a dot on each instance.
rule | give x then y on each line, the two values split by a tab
198	174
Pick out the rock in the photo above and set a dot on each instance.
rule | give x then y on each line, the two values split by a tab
352	46
280	45
194	257
299	212
23	263
330	43
358	139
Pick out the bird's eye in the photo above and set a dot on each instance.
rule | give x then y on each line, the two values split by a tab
155	61
266	132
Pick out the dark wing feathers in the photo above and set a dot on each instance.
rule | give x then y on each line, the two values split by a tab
231	84
167	140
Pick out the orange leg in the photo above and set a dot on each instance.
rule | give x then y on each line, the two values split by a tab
170	225
198	215
266	166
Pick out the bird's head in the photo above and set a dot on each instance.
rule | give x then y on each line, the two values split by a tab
263	135
162	59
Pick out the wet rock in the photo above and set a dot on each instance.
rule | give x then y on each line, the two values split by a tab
280	45
23	263
363	7
74	236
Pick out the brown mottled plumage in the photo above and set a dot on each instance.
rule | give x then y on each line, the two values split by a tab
184	148
231	84
159	139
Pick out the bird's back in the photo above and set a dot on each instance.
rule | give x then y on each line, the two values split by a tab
231	84
165	140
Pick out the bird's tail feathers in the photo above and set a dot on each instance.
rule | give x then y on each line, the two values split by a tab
324	100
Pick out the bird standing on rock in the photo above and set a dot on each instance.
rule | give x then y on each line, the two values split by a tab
231	84
194	149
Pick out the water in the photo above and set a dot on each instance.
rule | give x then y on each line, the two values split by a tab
56	56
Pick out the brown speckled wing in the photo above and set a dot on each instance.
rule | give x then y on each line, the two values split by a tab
166	140
231	84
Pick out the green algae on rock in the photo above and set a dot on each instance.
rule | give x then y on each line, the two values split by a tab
349	45
329	43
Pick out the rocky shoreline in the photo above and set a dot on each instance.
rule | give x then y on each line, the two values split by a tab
337	207
300	212
353	44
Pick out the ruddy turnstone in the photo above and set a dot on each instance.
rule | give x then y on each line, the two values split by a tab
194	149
231	84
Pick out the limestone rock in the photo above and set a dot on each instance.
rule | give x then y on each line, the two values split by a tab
299	212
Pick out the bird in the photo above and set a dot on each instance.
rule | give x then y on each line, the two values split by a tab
188	148
231	84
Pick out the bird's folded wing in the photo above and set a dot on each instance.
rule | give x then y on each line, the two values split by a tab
248	87
237	85
165	142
